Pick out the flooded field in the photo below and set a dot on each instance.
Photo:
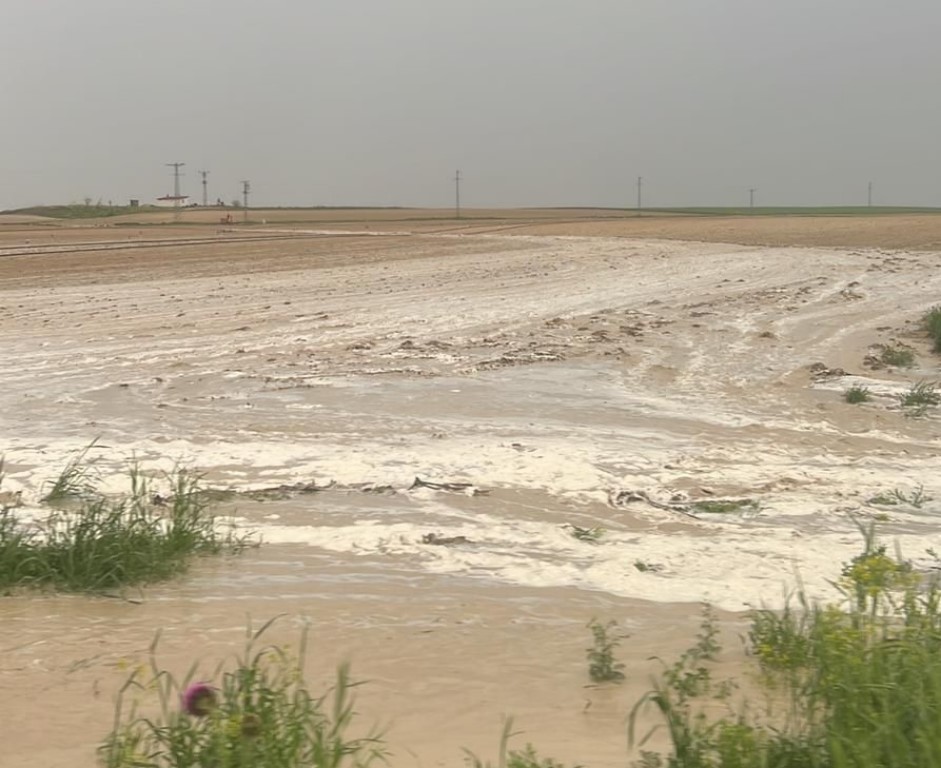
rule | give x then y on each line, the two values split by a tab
680	401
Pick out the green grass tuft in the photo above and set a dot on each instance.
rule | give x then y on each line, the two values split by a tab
590	535
919	397
104	543
724	506
857	394
76	481
897	357
933	326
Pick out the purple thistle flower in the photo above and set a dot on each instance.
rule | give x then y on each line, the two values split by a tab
199	699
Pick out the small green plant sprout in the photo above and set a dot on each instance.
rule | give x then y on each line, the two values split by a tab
644	567
591	535
724	506
529	758
511	758
688	677
602	666
857	394
919	397
897	357
933	326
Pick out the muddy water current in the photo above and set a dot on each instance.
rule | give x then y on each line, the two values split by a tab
599	427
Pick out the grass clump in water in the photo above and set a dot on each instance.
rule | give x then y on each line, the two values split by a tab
932	322
916	498
853	684
724	506
105	542
590	535
857	394
261	714
897	357
919	397
76	481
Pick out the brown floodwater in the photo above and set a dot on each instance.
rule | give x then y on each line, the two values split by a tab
561	383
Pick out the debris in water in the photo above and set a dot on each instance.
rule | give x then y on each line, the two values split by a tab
444	541
466	488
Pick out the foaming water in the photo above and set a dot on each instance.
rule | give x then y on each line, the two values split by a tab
588	392
542	450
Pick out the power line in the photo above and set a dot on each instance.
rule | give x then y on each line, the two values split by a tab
457	194
751	197
640	192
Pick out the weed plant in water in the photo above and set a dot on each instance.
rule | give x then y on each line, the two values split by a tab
590	535
261	714
857	684
602	666
103	543
933	326
857	394
916	498
724	506
919	397
510	758
76	481
897	357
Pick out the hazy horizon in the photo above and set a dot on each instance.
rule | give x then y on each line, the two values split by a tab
537	102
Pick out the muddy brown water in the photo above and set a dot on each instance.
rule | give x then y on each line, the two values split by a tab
442	658
548	372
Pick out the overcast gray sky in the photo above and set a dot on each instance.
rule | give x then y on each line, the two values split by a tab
538	102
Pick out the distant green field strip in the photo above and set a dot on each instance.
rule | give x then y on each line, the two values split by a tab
797	211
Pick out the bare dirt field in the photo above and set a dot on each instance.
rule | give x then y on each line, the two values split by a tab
575	368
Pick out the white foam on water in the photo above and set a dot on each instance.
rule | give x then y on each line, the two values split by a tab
734	565
698	408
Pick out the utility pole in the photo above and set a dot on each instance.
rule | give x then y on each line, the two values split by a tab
204	174
751	197
457	194
176	177
640	193
869	196
246	188
176	188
